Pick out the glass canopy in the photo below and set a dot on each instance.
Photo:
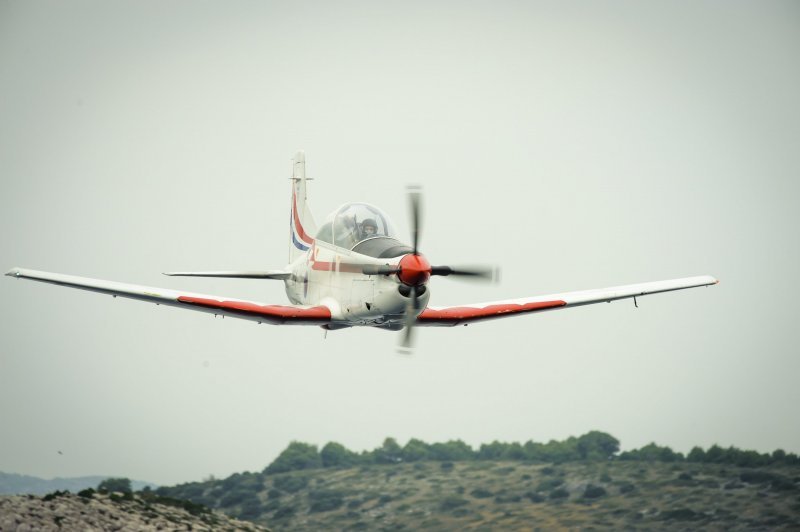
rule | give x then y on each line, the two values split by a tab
353	223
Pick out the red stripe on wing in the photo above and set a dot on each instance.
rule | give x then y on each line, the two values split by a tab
271	313
455	315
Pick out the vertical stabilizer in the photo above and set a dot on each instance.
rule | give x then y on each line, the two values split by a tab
302	227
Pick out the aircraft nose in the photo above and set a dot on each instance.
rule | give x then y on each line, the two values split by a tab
415	270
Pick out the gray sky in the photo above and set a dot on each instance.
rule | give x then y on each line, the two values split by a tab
577	145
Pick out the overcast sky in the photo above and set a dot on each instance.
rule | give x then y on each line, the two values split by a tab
576	144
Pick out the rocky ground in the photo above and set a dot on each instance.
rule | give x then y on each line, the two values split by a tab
105	512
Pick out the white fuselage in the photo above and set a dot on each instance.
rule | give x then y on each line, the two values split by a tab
331	276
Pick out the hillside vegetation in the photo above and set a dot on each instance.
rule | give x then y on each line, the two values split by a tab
579	482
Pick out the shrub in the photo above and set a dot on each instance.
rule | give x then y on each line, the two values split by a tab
272	505
127	496
325	500
481	493
251	509
451	502
122	485
549	484
236	496
355	503
535	497
681	514
593	492
290	483
189	506
284	513
558	493
507	498
756	477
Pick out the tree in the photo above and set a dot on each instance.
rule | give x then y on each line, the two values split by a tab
415	450
697	454
715	454
514	451
389	453
453	450
492	451
296	456
337	455
596	445
535	451
652	453
122	485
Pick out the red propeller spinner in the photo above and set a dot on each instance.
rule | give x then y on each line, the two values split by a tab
415	270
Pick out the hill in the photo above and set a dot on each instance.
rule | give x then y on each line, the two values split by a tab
509	495
13	484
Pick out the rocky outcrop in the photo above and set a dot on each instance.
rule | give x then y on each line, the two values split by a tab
93	511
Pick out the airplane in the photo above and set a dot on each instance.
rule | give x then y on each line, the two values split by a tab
354	271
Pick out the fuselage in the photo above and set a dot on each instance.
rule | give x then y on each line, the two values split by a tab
331	271
333	276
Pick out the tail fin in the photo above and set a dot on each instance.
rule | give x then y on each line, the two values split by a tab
302	227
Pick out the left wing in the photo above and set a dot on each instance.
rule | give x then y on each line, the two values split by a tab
267	274
235	308
450	316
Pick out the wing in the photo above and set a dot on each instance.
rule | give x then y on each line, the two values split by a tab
235	308
450	316
268	274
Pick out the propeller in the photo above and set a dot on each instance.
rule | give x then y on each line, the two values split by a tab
415	206
414	270
412	308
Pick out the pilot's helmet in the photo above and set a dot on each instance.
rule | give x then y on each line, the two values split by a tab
369	227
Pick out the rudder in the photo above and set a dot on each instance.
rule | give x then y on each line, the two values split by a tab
302	227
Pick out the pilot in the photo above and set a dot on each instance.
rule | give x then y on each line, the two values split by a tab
368	228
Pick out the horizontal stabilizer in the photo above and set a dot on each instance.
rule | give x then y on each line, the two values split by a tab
266	274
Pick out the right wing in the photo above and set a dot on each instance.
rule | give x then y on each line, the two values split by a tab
450	316
235	308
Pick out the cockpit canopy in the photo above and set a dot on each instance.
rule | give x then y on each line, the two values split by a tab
353	223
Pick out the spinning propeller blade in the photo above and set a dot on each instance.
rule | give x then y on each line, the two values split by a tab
477	273
415	206
414	270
